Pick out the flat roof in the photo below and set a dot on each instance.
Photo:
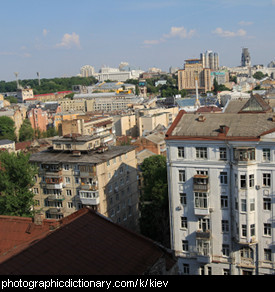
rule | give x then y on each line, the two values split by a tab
51	156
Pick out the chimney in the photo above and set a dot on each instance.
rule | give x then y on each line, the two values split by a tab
201	118
38	218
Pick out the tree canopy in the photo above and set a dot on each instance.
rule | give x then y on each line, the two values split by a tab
26	132
16	179
7	128
154	205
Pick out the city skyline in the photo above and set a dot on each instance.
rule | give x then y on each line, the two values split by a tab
57	38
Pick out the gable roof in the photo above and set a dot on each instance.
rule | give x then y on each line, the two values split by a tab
256	104
87	243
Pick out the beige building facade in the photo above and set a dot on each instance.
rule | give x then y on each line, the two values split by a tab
194	70
72	175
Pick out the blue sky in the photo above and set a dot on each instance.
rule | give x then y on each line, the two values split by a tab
57	37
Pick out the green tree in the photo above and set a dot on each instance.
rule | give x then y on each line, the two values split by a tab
7	128
259	75
26	132
154	205
16	179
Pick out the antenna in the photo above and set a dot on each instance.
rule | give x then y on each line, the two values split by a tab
38	75
16	76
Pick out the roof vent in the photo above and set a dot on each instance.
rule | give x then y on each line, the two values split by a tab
201	118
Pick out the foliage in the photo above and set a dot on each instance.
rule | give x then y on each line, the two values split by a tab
154	205
219	87
16	179
48	85
7	128
26	132
259	75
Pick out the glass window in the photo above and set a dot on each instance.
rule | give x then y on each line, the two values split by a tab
201	152
181	152
201	200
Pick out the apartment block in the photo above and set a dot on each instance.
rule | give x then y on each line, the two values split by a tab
221	173
194	70
77	171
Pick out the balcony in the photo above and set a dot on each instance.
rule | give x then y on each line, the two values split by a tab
55	211
244	154
56	198
200	234
201	211
89	198
52	186
201	183
88	187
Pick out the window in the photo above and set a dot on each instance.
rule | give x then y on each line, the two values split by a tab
267	254
225	226
201	152
201	200
66	166
203	247
204	224
252	204
267	204
244	230
251	180
67	180
266	179
247	252
243	205
70	205
224	202
225	250
266	154
181	152
223	178
267	229
183	222
243	181
68	192
185	269
252	230
223	155
183	199
181	175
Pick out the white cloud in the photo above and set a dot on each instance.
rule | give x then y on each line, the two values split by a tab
175	32
180	32
245	23
69	41
229	34
45	32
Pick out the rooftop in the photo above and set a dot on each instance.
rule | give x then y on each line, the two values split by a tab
207	126
50	156
86	243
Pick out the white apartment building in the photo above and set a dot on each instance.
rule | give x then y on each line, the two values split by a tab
221	174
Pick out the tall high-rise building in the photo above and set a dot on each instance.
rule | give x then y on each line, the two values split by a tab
210	60
245	59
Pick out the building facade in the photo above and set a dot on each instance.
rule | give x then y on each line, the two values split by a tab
221	170
78	172
194	70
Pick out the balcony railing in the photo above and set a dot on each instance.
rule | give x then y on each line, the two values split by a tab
201	183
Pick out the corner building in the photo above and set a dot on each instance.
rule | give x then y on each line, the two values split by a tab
221	174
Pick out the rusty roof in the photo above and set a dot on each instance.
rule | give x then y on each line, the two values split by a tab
86	243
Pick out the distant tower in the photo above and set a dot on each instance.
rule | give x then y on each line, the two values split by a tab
16	76
245	60
38	75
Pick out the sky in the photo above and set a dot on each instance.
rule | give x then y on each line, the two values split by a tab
57	37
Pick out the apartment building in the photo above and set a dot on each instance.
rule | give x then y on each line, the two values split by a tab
79	172
194	70
221	173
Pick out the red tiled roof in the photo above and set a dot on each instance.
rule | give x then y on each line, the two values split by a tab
87	243
17	232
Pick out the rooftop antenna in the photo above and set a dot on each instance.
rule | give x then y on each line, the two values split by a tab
38	75
16	76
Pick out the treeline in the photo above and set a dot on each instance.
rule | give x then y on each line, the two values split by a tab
48	85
